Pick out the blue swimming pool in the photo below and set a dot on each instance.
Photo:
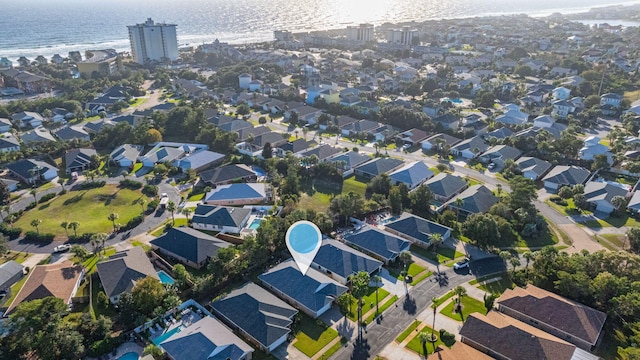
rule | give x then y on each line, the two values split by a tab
167	335
255	224
129	356
259	171
165	278
455	101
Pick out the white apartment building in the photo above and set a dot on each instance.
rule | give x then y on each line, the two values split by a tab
361	33
153	42
402	36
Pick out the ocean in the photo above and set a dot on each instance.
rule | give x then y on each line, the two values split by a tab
46	27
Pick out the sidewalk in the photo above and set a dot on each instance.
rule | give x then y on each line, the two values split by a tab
442	322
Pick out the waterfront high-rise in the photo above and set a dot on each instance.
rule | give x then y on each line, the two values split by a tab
153	42
361	33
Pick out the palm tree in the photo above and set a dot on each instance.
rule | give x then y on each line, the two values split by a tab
34	193
101	238
64	225
436	240
528	256
171	206
434	307
458	203
499	188
619	203
142	203
124	174
460	291
515	262
35	223
424	337
74	225
377	279
186	212
113	217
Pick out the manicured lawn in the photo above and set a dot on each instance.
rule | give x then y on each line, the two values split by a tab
99	309
15	289
332	350
498	287
137	102
414	269
613	221
469	306
177	223
90	263
568	210
616	239
18	257
367	300
145	247
444	298
444	253
416	345
318	201
381	308
417	280
137	166
89	207
313	335
196	197
351	184
414	325
544	239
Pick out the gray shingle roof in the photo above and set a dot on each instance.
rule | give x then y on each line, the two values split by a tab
379	242
343	260
596	191
412	174
322	151
190	244
7	271
446	185
502	151
123	269
206	339
351	158
417	227
534	165
126	152
257	312
22	167
220	215
313	290
379	166
567	175
226	173
237	191
477	199
78	157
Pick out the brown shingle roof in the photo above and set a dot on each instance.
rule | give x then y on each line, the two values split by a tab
556	311
524	341
57	280
457	352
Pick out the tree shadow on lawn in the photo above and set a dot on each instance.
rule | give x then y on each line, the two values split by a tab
330	188
74	199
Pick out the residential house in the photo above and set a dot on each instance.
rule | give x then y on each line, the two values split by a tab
592	148
360	127
568	320
293	147
37	135
377	243
599	195
125	155
5	125
339	261
478	127
565	175
235	125
634	203
416	229
256	314
544	121
60	280
562	108
444	140
228	174
9	144
188	246
445	186
458	351
487	333
345	162
206	339
470	148
339	121
78	160
10	273
412	137
27	119
513	117
475	199
255	148
70	133
323	152
312	293
533	168
199	160
61	115
244	134
129	119
239	194
377	166
610	103
11	185
220	218
30	171
412	174
26	82
501	133
561	93
448	121
306	114
121	272
499	154
107	99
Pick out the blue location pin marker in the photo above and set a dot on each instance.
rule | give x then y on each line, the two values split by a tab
303	240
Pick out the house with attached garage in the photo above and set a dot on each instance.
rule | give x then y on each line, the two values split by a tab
345	162
239	194
416	229
122	270
470	148
448	121
378	243
8	144
339	261
126	155
31	171
412	174
5	125
599	195
412	137
107	99
571	321
199	160
11	185
498	154
256	314
10	273
533	168
475	199
37	135
228	174
78	160
565	175
70	133
27	119
220	218
377	166
444	140
323	152
312	293
188	246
